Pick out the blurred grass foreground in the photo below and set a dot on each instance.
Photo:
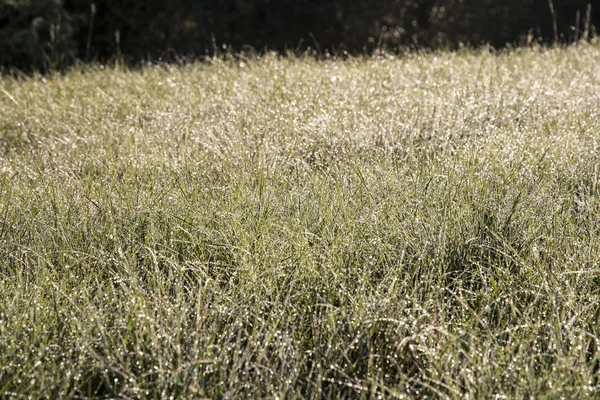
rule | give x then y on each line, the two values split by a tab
425	226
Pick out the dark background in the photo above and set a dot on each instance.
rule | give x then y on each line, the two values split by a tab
54	33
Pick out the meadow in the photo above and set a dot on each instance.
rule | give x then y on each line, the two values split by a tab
417	226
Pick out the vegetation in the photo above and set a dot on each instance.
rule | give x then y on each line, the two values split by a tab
416	227
45	34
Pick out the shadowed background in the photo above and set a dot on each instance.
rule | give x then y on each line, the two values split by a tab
43	33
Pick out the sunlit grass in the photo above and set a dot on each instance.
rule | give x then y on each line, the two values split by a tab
416	227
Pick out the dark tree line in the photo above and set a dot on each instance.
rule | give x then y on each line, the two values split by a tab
39	33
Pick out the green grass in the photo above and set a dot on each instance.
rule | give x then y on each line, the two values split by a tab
416	227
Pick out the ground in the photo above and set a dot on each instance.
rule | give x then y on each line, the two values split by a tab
415	226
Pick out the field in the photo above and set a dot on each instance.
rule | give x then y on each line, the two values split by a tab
421	226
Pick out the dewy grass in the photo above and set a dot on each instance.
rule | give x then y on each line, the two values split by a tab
416	227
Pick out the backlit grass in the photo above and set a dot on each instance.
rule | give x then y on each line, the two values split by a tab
417	227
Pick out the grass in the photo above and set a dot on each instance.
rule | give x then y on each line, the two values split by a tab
416	227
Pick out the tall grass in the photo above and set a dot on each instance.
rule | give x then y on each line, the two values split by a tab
416	227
